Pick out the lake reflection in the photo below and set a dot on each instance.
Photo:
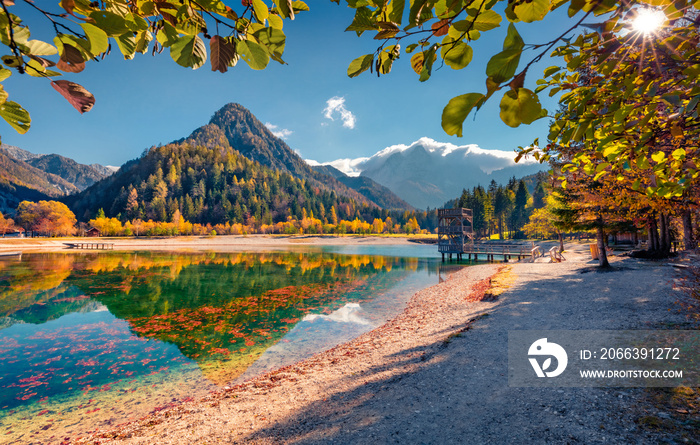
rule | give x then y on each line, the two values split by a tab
88	340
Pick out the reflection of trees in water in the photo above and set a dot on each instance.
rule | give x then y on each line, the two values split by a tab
217	308
36	280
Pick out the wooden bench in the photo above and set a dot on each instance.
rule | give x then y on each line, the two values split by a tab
556	256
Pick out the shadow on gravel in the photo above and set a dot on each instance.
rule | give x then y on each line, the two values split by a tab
456	390
608	269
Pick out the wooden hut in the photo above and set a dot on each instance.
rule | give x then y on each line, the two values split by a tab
93	232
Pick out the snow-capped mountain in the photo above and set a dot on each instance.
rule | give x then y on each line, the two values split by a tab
427	173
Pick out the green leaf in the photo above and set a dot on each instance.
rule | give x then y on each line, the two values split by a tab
410	48
39	48
363	21
167	35
513	39
16	116
487	20
692	104
520	107
360	65
531	11
35	68
143	39
428	60
298	6
285	9
414	14
127	45
274	40
110	23
99	41
643	163
275	21
385	63
261	10
4	74
135	23
503	65
457	110
253	53
551	70
395	11
457	55
189	51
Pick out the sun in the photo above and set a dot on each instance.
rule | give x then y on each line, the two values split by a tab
648	21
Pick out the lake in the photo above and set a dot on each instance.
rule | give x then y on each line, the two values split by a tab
92	340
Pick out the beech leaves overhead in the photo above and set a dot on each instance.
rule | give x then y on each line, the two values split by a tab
630	99
88	31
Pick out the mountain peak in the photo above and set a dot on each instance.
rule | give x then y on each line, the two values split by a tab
426	173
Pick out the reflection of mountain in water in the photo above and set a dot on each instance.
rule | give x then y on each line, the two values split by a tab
350	313
319	332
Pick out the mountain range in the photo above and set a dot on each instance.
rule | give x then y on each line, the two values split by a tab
206	176
30	176
237	127
428	173
232	169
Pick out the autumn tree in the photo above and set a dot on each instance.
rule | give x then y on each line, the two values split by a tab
541	224
6	225
52	218
107	226
629	124
443	32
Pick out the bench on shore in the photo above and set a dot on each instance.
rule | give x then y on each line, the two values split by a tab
555	255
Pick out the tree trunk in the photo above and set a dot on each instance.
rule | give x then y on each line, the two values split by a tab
665	245
561	242
653	244
600	239
688	239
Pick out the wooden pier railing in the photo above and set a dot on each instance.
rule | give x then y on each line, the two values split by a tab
489	252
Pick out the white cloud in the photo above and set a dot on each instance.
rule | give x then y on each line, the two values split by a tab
336	105
281	133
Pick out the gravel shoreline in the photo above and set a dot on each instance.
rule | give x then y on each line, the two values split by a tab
437	373
223	243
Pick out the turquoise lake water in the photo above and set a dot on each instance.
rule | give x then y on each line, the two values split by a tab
93	340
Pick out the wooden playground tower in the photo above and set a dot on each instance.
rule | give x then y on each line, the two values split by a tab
455	232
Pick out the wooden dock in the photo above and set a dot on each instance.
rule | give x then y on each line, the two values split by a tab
489	251
11	255
91	246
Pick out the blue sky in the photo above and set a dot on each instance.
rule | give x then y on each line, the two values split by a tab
151	100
